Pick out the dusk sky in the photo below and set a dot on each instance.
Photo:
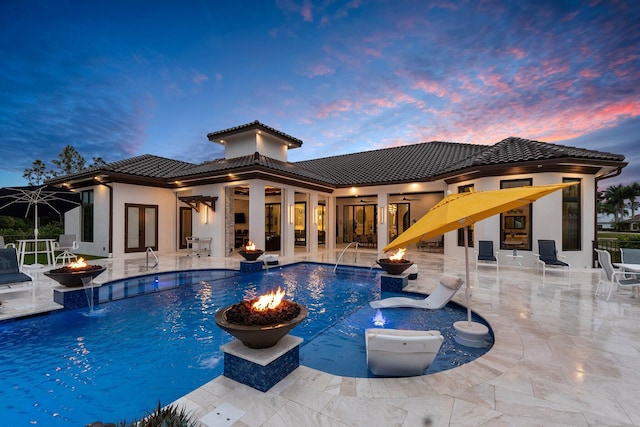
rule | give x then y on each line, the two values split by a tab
117	79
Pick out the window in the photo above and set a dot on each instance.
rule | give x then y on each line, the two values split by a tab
516	224
571	216
465	189
86	219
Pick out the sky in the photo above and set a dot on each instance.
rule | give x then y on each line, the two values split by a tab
117	79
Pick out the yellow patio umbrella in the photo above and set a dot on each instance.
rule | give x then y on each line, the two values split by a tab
464	209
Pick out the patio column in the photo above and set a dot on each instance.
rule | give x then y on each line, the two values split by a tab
383	222
288	236
312	243
256	213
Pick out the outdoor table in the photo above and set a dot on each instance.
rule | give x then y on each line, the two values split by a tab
34	246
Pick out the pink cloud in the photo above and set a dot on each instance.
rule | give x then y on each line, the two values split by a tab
306	13
334	108
199	78
320	70
590	74
430	87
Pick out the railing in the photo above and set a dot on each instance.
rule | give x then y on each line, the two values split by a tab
343	251
150	251
613	247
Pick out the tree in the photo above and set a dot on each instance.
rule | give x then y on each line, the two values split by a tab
37	174
634	191
614	201
68	161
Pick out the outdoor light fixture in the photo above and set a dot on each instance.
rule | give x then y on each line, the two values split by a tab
315	215
206	214
292	211
381	213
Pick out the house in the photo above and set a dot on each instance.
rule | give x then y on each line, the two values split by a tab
254	193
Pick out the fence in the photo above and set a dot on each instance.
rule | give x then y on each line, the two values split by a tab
613	247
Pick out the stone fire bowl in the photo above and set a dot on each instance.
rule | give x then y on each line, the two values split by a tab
73	279
394	267
251	255
259	336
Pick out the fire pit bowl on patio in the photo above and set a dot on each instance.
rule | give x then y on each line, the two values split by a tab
250	253
395	264
260	328
72	277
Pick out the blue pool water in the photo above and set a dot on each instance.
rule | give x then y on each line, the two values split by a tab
74	367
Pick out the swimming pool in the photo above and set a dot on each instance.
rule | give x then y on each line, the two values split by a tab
74	367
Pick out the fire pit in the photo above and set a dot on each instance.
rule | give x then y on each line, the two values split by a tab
395	264
71	275
262	322
250	253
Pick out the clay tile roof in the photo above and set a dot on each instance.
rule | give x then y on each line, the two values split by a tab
253	125
255	160
514	149
398	164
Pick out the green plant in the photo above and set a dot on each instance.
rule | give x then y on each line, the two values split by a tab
168	416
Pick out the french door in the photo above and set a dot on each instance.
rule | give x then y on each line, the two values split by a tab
140	228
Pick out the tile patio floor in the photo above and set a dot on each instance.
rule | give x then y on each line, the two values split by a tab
562	357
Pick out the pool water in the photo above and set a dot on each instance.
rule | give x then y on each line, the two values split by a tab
116	363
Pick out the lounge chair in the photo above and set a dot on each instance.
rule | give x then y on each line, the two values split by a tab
444	291
548	256
11	279
486	254
401	353
7	245
65	245
611	278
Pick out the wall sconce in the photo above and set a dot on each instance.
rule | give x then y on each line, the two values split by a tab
292	211
381	213
315	215
206	214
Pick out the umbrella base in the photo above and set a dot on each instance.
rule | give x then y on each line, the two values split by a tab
470	334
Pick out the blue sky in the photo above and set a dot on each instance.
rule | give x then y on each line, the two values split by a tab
117	79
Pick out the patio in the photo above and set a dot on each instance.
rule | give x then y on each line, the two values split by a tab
561	356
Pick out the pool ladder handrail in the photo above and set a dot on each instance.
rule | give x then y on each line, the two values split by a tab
343	251
150	251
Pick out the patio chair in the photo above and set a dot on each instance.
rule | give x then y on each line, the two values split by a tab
630	256
611	278
486	255
65	245
548	256
401	353
11	279
441	295
7	245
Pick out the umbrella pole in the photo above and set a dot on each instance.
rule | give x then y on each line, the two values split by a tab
35	235
468	333
467	292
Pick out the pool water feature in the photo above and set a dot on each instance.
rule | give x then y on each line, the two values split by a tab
67	368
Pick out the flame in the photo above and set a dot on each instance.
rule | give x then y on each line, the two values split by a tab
79	263
269	301
379	319
398	255
250	246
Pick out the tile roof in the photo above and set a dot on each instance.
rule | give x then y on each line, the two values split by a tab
255	160
398	164
253	125
514	149
417	162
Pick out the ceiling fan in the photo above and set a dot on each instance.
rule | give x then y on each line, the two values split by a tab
406	199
